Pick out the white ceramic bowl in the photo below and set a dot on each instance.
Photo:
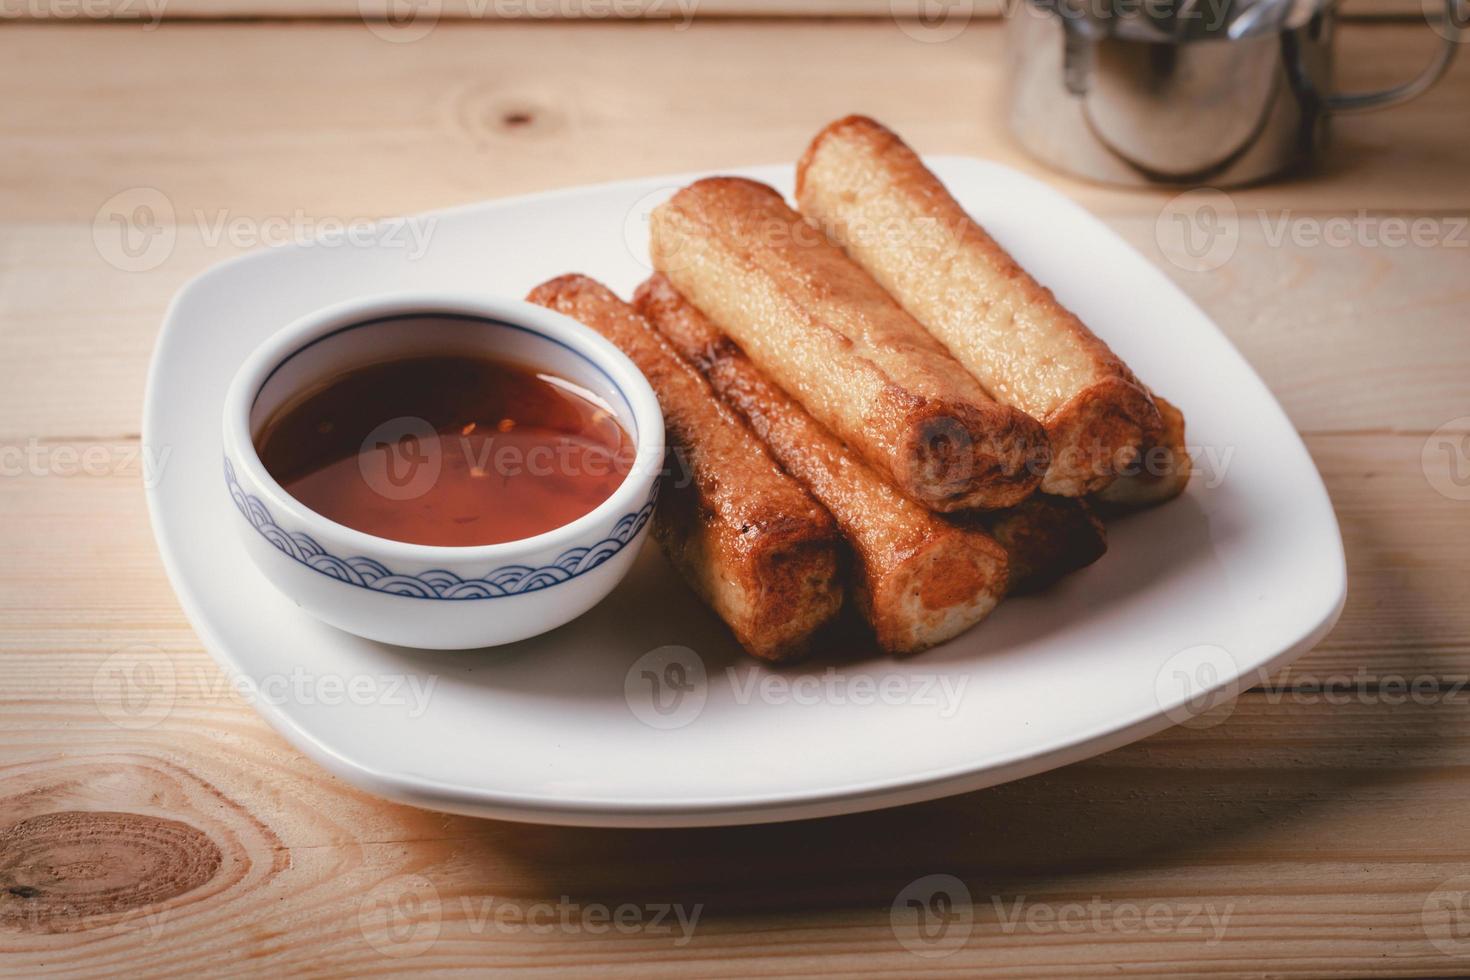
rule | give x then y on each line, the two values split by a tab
429	596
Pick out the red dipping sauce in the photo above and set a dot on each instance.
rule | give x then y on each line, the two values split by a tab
452	450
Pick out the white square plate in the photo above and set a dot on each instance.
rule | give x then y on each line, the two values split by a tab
1241	574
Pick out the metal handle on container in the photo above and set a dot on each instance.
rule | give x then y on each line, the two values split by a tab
1363	101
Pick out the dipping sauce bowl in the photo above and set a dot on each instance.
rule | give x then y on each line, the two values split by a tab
422	595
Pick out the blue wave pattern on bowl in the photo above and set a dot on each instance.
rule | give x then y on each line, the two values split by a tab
367	573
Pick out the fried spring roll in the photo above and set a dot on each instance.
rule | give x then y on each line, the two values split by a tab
920	580
874	196
1159	474
745	535
823	330
1046	537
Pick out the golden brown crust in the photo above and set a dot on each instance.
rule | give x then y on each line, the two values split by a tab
1160	473
873	195
920	580
1046	538
1096	435
745	535
824	331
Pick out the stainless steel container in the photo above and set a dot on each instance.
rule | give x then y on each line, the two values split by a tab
1220	92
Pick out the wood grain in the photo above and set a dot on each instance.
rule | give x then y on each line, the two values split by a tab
150	821
340	123
1300	839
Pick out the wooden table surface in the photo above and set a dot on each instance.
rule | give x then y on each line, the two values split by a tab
1319	829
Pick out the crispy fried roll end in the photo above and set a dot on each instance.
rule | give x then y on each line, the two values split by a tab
750	541
919	579
1160	473
1047	537
873	196
823	330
